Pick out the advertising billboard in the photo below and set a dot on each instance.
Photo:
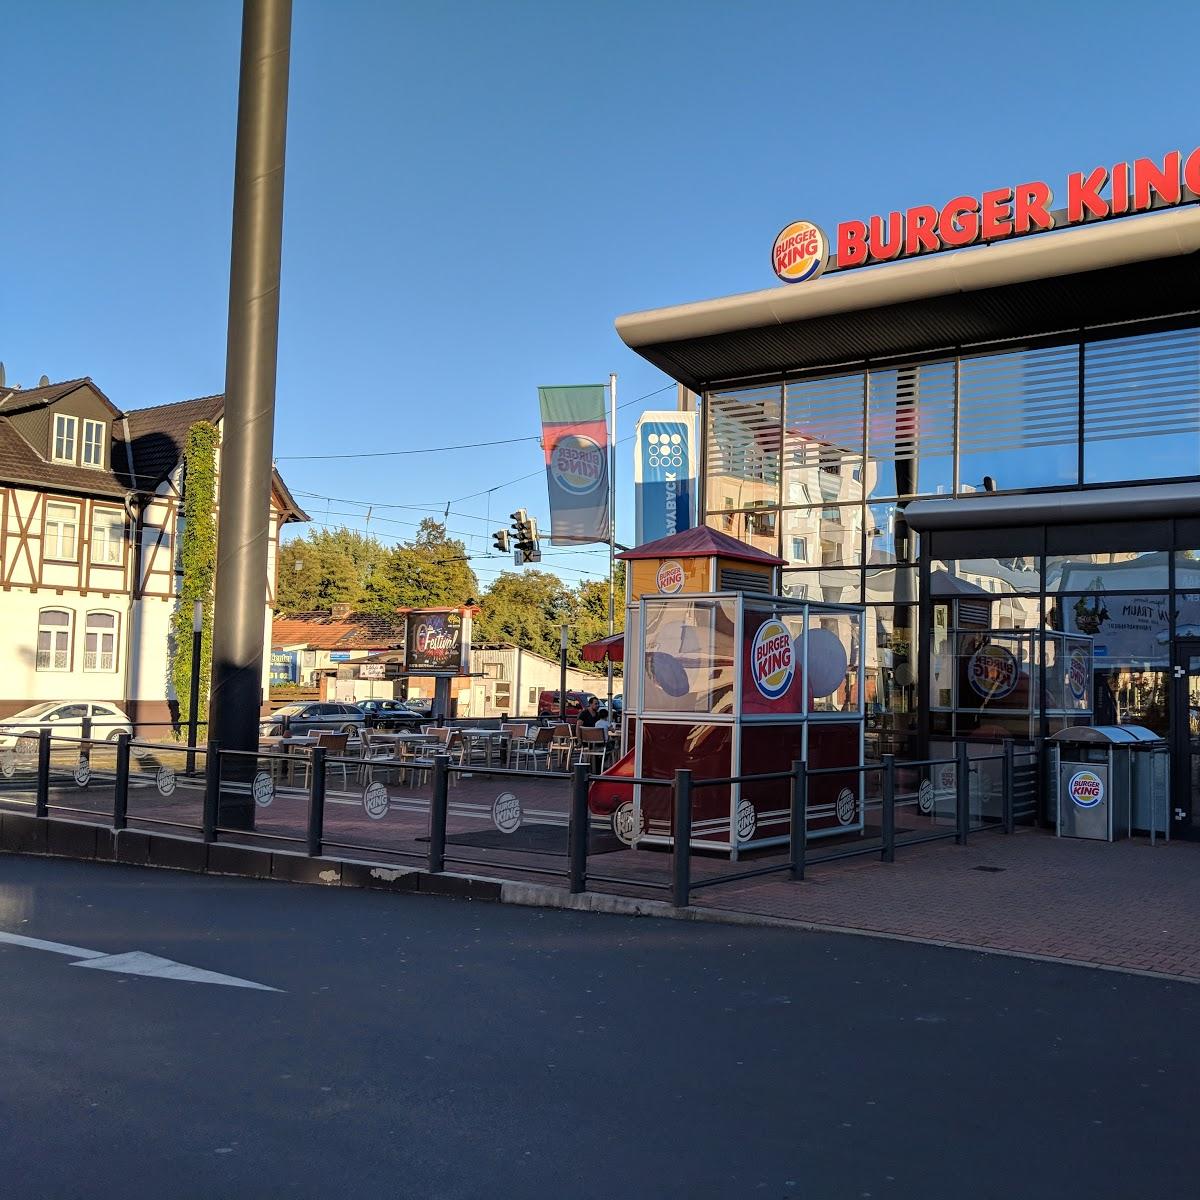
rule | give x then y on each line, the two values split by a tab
438	641
285	667
664	474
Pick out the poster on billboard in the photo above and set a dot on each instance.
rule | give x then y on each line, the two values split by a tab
664	474
285	667
438	641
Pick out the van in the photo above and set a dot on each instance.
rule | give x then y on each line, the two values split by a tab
576	702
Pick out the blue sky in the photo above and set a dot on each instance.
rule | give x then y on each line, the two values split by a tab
475	191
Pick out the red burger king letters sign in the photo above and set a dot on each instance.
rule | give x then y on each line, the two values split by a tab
999	213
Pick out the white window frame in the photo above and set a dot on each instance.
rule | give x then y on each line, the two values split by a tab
65	429
53	543
105	520
91	428
102	661
55	630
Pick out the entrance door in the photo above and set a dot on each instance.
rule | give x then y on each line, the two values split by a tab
1185	766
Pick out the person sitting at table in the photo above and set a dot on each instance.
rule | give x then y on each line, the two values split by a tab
589	713
601	721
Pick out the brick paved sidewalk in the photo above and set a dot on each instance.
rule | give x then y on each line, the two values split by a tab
1125	904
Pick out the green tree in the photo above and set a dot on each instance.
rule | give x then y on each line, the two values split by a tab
198	554
332	566
431	571
525	607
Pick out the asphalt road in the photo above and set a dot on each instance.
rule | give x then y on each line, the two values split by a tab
437	1048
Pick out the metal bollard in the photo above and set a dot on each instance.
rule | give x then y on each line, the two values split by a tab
888	853
799	805
212	791
962	793
316	803
682	848
437	813
577	831
121	783
1010	766
42	804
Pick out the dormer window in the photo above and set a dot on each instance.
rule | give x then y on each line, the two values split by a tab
64	438
91	452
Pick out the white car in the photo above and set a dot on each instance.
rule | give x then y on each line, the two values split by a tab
64	718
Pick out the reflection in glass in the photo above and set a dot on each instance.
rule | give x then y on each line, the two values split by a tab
889	539
822	536
688	663
891	585
742	452
834	643
996	576
823	439
910	434
835	585
890	653
1019	420
1117	570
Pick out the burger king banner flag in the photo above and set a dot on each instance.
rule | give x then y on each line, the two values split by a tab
575	441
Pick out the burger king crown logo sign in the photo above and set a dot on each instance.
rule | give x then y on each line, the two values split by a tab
577	464
670	577
772	659
992	671
1086	789
800	252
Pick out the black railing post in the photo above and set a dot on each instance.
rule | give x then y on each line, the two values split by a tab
1007	797
121	783
438	807
682	849
577	832
962	793
42	804
85	745
212	790
799	827
888	853
316	802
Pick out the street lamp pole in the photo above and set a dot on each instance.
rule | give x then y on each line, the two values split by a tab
194	695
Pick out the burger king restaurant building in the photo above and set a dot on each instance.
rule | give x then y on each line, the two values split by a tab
982	421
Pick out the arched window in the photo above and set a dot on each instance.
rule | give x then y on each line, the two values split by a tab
100	641
54	640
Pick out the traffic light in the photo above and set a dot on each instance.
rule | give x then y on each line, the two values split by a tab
500	541
525	536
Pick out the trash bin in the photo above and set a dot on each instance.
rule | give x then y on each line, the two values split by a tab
1108	779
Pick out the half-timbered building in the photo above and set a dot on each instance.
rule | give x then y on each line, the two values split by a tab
91	514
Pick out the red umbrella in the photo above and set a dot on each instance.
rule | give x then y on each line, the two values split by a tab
612	647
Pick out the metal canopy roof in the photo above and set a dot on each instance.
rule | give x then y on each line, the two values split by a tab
1121	270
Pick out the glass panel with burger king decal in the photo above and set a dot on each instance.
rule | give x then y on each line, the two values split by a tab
707	751
833	649
688	663
772	680
766	750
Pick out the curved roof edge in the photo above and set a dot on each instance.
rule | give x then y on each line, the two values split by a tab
1111	243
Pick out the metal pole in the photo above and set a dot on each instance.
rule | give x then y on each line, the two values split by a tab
682	849
42	803
121	783
562	676
962	792
1010	764
316	803
212	790
612	528
888	853
248	426
799	826
194	690
577	833
437	813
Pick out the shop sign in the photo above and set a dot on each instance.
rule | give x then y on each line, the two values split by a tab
772	659
434	641
992	672
664	474
1077	672
845	807
285	666
263	789
506	813
994	215
339	656
371	671
375	800
670	576
1086	789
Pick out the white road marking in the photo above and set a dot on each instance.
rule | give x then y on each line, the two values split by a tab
134	962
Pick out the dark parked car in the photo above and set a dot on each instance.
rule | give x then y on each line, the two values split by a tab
391	714
313	717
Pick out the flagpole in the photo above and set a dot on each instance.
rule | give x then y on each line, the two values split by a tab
612	529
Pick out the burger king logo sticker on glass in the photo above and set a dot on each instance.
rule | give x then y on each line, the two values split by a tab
801	251
670	577
1077	673
772	659
992	672
577	464
1086	789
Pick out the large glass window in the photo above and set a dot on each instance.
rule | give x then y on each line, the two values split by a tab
830	535
1117	570
62	530
1142	407
1019	420
823	440
742	457
100	641
54	640
910	430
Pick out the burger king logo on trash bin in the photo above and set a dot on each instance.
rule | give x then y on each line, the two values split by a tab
670	577
801	251
1086	789
772	659
577	464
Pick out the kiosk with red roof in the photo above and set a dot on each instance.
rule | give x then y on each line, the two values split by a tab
727	678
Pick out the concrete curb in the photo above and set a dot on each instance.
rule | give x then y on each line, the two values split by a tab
22	833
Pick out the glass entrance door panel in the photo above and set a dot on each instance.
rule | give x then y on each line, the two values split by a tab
1186	769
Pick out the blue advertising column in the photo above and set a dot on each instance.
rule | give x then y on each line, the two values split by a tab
664	474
